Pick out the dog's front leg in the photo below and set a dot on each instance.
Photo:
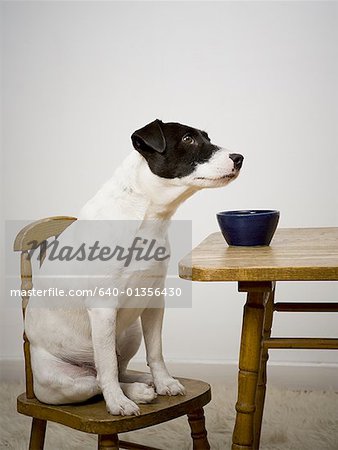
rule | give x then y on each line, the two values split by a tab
103	327
165	384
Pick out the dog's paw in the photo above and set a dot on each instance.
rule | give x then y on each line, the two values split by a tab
139	392
122	406
169	386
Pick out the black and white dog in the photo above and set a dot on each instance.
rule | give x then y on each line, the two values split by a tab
79	353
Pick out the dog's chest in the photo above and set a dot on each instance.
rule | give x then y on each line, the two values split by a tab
137	284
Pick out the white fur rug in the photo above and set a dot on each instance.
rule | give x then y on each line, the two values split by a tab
293	421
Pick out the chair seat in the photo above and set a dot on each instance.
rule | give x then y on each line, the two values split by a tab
92	416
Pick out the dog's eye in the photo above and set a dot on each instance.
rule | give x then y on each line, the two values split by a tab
187	139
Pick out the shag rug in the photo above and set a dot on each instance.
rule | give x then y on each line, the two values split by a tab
293	420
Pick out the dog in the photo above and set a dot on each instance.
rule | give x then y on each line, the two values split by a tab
79	353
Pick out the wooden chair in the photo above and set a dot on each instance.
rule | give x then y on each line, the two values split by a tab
91	416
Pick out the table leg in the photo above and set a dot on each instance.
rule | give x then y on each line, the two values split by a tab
262	375
249	363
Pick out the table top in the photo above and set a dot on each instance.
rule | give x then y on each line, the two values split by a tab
294	254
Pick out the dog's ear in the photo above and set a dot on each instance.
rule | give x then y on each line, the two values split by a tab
149	138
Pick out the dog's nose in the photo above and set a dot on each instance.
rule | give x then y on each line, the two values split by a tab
237	159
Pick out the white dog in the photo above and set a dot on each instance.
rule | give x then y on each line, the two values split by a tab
82	351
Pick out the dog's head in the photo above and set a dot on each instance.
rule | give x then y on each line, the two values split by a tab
185	155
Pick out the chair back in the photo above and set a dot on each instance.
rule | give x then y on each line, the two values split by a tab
34	236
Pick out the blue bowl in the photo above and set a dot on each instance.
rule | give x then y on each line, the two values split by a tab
249	227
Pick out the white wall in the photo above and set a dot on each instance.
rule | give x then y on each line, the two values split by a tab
260	77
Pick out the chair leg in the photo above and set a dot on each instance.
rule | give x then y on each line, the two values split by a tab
38	432
262	376
108	442
249	363
198	431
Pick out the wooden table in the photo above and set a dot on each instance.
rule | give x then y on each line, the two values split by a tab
307	254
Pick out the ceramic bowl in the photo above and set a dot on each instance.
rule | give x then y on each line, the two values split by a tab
248	227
